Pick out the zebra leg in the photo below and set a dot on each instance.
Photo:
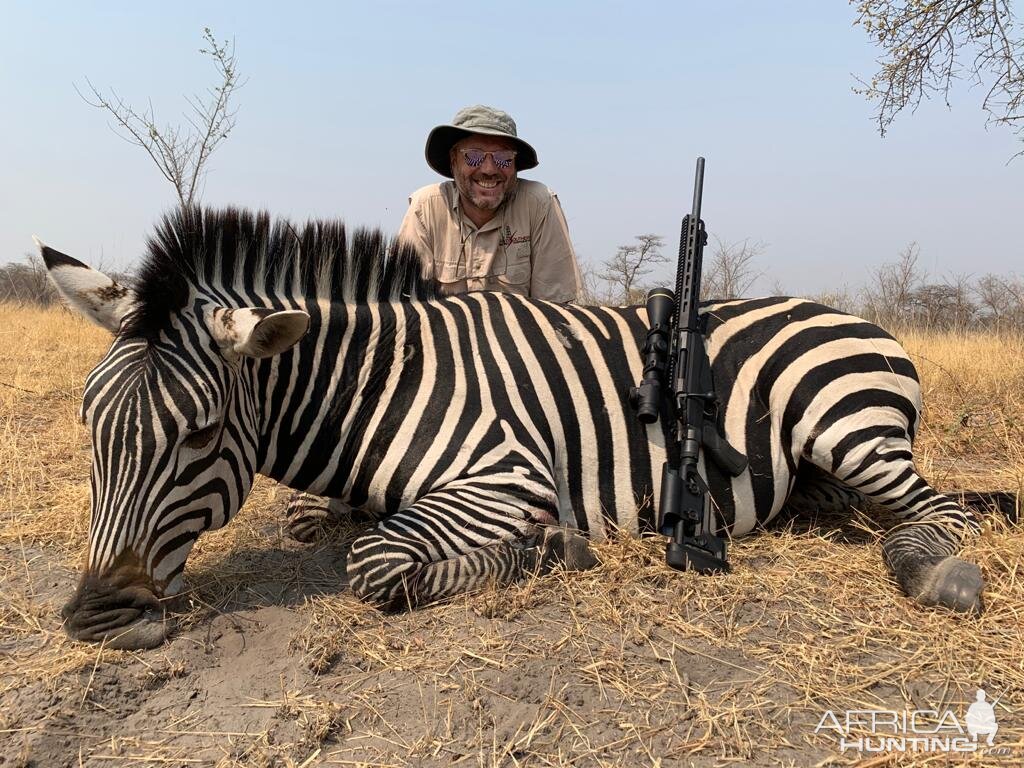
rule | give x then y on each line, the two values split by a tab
307	516
991	502
428	553
816	492
921	550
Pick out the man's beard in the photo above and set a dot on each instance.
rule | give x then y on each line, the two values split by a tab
486	203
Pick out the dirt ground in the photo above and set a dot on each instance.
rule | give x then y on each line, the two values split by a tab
274	662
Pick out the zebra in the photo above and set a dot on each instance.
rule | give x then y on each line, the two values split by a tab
489	433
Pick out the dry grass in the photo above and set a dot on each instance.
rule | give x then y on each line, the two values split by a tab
974	398
628	664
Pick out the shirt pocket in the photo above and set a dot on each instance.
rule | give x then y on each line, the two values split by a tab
518	264
449	271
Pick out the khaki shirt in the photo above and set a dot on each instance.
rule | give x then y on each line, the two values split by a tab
524	249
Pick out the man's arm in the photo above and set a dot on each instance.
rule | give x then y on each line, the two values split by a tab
556	273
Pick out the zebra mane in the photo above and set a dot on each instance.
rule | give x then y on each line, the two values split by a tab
240	258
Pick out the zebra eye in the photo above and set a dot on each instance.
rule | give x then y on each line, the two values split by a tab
202	437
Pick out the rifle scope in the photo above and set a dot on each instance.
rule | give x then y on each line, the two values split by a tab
646	398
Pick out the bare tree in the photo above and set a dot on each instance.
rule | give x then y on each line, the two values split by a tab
625	270
924	46
181	153
838	298
27	283
595	291
730	272
889	298
1000	301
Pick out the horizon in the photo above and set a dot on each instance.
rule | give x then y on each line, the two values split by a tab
338	100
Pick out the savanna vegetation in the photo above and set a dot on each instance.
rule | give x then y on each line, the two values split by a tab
275	663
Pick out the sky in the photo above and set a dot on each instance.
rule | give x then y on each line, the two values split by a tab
618	98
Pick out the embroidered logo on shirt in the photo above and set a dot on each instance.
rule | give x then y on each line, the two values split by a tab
510	238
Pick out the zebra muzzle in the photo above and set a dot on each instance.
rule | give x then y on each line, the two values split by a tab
125	618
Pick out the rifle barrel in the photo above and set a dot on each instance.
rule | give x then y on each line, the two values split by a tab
698	188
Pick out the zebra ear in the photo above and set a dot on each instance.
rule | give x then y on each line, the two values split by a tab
86	290
257	332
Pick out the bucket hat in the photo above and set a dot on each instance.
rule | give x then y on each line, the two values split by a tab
467	121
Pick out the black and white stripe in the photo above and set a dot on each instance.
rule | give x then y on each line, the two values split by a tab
470	423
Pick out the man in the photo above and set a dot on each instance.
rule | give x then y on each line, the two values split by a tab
487	229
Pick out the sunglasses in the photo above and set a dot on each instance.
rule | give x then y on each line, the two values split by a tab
475	157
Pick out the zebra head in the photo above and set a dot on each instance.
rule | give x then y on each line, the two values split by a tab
174	426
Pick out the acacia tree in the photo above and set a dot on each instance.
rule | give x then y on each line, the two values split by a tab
947	305
624	271
927	44
181	152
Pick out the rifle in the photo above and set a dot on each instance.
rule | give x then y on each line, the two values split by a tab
675	347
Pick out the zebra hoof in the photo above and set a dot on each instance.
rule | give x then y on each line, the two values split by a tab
566	548
307	516
305	530
955	584
311	519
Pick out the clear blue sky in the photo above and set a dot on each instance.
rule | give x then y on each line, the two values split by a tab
618	98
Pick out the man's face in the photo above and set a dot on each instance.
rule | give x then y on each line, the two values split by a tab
485	186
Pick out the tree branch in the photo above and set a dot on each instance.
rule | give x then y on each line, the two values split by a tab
181	156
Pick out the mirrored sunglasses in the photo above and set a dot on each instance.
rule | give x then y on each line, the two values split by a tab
502	158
